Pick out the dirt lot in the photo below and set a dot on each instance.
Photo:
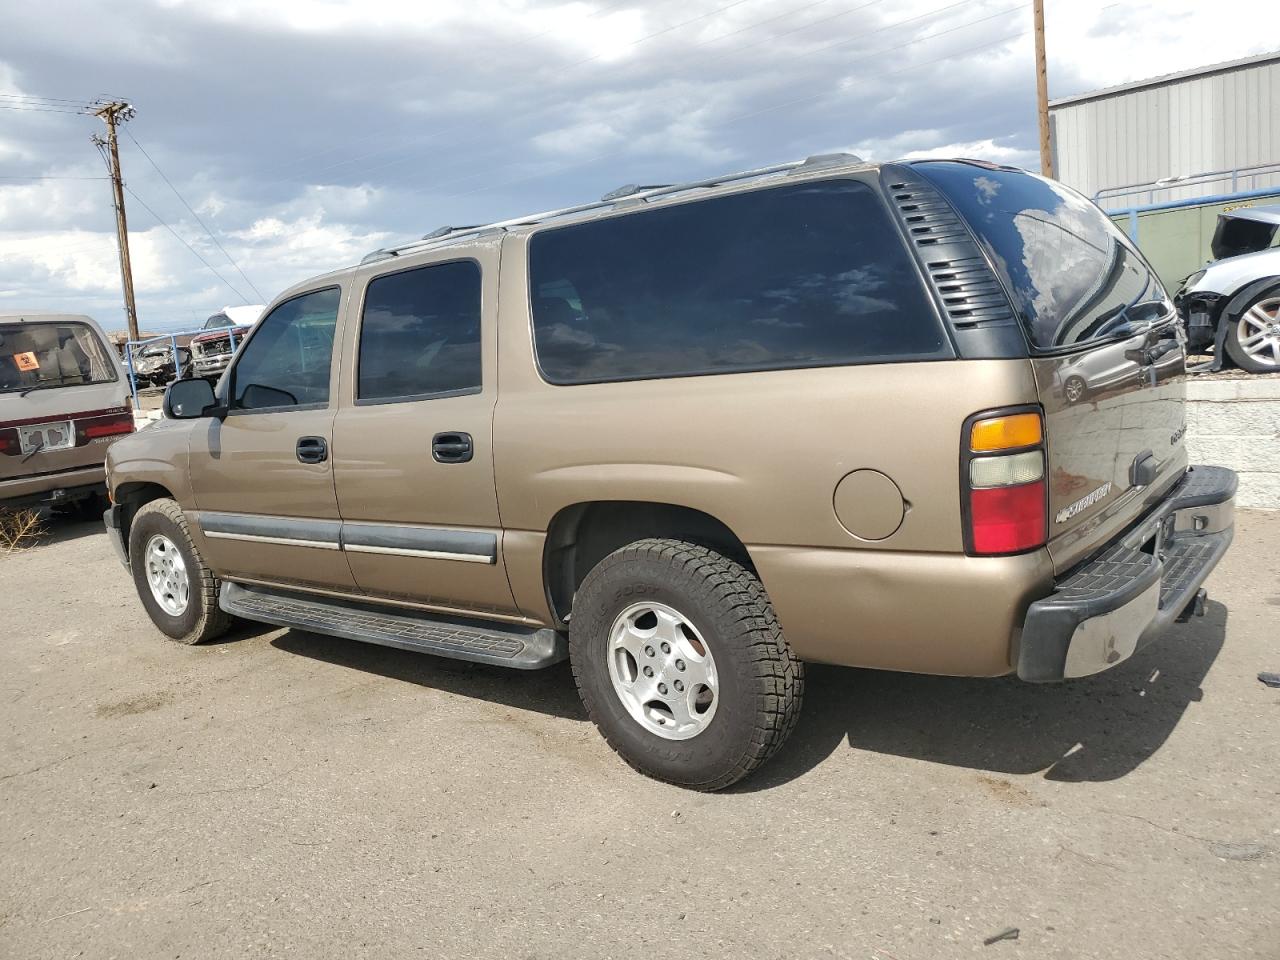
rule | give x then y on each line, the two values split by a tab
284	794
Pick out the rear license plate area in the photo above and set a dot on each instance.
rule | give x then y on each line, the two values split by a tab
47	436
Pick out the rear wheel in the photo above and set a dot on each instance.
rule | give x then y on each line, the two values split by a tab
682	665
177	588
1253	337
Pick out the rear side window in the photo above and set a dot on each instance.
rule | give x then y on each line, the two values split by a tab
1073	276
806	275
286	361
36	356
420	336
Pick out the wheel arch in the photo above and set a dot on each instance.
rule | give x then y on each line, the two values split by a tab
131	497
582	534
1245	295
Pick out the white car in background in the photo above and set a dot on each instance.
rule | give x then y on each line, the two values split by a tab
1233	304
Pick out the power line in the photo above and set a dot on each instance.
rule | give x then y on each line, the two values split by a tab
203	225
568	67
770	109
293	163
29	108
7	177
746	116
555	108
31	96
194	251
714	58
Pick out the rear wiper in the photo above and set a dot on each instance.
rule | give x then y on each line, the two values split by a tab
42	385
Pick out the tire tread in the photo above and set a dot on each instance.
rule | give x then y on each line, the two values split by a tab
214	621
779	673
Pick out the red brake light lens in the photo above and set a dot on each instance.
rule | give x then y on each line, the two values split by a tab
109	426
1008	519
1002	458
9	443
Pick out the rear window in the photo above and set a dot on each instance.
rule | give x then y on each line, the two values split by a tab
42	355
806	275
1073	275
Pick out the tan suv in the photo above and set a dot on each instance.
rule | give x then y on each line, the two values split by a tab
920	416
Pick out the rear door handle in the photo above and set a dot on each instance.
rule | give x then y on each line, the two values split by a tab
312	450
452	447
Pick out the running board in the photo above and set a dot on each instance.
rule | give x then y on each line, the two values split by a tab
506	645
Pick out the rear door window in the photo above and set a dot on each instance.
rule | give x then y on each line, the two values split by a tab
36	356
806	275
420	333
286	362
1073	275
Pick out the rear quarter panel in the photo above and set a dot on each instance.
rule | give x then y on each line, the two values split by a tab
763	453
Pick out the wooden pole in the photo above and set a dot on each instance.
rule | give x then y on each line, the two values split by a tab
111	114
1042	92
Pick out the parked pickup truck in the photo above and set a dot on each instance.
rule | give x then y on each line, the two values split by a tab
693	437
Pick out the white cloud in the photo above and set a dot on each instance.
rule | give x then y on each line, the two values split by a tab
309	132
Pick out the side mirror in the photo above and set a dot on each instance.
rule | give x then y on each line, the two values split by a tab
190	399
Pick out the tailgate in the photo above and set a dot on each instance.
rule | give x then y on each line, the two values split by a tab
1114	425
1105	344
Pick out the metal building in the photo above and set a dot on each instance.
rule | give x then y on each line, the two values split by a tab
1210	131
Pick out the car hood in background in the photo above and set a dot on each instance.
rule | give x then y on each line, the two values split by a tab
1228	276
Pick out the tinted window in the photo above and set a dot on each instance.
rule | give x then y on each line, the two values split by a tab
804	275
420	334
1073	275
286	362
34	356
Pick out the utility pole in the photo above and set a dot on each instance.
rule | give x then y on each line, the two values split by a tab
111	114
1042	92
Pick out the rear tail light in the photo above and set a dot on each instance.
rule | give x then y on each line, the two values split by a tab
1005	496
111	425
10	445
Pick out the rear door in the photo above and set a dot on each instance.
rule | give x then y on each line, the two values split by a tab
413	436
1107	352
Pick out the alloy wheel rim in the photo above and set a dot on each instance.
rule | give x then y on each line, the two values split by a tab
662	671
1258	331
167	575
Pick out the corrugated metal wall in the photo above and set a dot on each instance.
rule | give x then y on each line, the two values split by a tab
1181	127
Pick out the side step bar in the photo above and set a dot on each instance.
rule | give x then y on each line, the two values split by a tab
506	645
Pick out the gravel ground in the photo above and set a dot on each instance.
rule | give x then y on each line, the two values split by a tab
284	794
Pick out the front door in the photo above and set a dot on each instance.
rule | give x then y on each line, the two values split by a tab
263	476
413	435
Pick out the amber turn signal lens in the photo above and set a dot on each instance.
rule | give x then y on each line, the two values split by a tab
1005	433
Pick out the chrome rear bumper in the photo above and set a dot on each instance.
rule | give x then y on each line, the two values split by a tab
1126	595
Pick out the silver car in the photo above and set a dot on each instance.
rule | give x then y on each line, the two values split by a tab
1233	304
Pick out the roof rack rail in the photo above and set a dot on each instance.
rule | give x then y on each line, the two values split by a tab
629	192
828	160
439	232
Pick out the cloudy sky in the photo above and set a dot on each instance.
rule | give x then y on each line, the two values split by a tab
304	133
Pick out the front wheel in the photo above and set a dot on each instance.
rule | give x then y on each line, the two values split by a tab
681	663
176	587
1253	337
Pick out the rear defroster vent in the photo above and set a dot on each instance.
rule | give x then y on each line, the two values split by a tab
958	273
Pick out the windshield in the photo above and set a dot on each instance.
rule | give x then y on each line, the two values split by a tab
1073	276
218	320
38	355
